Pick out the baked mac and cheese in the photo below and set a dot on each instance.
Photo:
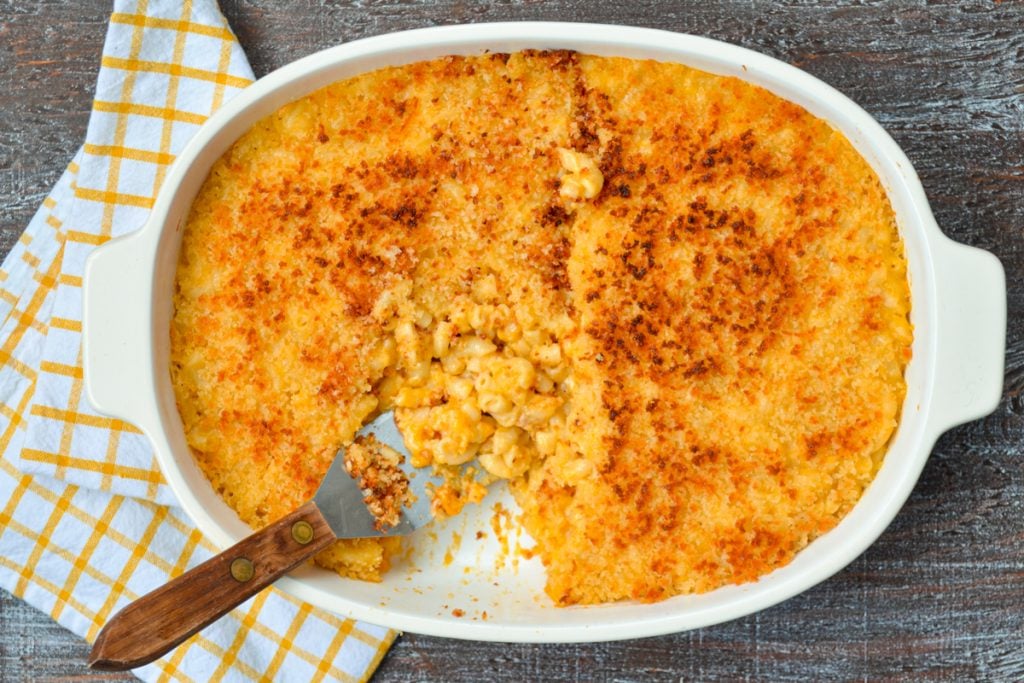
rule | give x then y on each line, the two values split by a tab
670	308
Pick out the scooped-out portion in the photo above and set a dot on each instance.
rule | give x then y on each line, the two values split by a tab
670	308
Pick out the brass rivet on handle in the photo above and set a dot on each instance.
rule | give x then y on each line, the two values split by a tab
242	569
302	532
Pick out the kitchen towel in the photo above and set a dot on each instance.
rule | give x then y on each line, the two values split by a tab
87	523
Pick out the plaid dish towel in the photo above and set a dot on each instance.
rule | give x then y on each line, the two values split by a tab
87	523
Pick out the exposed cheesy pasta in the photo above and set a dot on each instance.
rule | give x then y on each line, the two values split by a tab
669	307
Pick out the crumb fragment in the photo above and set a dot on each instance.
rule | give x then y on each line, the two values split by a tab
501	524
385	486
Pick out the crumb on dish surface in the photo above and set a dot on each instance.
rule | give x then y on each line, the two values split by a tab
669	307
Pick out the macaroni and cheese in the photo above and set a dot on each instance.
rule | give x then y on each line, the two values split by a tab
670	308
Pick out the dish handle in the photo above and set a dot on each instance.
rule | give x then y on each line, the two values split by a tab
115	313
970	334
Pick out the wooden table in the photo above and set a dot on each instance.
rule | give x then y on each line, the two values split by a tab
941	594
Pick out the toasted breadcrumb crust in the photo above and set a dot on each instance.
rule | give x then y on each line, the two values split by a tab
717	283
378	470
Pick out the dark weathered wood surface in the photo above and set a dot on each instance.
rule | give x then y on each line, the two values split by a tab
941	595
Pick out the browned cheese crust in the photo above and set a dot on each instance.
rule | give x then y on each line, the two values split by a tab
385	486
670	307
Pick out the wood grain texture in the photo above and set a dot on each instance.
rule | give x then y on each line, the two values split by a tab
49	56
940	596
163	619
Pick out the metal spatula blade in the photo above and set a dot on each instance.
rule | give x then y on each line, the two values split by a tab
341	501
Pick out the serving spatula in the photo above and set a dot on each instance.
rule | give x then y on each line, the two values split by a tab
159	621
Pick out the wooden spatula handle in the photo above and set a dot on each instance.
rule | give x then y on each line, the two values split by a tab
159	621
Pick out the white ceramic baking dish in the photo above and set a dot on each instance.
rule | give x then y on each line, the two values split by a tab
959	317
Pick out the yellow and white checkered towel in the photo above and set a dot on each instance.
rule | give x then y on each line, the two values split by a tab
87	523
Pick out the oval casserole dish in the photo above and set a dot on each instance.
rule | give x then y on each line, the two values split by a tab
958	310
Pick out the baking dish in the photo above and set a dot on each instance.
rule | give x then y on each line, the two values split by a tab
958	312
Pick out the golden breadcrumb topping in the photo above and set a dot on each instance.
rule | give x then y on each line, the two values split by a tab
378	470
669	307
